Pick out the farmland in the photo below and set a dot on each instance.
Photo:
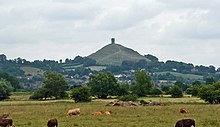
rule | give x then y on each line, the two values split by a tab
27	113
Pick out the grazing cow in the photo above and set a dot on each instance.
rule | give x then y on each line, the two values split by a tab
75	111
185	123
6	122
102	112
182	110
108	112
98	113
52	123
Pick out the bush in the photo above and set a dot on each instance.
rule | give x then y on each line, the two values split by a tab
5	89
210	93
39	94
176	91
155	91
144	102
81	94
128	97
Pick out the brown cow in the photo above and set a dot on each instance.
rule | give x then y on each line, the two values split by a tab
75	111
97	113
6	122
102	112
52	123
182	110
108	112
185	123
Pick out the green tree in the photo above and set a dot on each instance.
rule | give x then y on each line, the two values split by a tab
176	91
40	94
143	84
55	86
165	88
181	85
210	93
103	85
81	94
155	91
193	90
209	80
13	80
5	89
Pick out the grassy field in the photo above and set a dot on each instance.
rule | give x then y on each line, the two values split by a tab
32	71
185	76
36	113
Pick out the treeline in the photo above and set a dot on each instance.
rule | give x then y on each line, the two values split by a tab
12	66
104	85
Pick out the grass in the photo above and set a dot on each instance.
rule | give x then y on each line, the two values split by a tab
185	76
97	68
37	113
32	71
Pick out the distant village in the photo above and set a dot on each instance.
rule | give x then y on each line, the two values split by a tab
78	70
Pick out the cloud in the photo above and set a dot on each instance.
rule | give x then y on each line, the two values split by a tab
181	30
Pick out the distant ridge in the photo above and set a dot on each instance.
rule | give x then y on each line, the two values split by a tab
115	54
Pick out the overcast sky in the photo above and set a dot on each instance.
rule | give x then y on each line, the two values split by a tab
180	30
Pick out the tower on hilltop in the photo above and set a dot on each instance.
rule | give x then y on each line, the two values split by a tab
112	40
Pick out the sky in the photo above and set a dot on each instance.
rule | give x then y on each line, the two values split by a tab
181	30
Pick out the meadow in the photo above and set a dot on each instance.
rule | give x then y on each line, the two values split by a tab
27	113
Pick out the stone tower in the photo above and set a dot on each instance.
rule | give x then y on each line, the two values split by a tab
112	40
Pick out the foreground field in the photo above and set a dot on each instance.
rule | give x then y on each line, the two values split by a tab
36	113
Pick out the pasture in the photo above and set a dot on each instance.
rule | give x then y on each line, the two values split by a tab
36	113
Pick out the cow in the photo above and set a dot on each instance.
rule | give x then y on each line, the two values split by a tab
6	122
52	123
182	110
102	112
75	111
185	123
97	113
108	112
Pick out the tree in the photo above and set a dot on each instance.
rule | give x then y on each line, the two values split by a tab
103	85
209	80
181	85
155	91
143	84
176	91
40	94
5	89
210	93
81	94
165	88
12	80
55	86
193	90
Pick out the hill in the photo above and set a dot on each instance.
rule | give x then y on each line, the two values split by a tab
115	54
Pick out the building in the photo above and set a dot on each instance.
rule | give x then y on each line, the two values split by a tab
3	58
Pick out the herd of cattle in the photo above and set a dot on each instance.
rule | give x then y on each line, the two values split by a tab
5	121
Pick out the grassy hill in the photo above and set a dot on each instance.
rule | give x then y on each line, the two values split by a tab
185	76
32	71
115	54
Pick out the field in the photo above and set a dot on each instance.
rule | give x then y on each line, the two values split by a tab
27	113
185	76
32	71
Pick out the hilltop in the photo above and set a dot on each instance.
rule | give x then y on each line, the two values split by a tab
115	54
118	59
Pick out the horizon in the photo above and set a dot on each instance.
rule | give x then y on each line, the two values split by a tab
185	31
115	42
